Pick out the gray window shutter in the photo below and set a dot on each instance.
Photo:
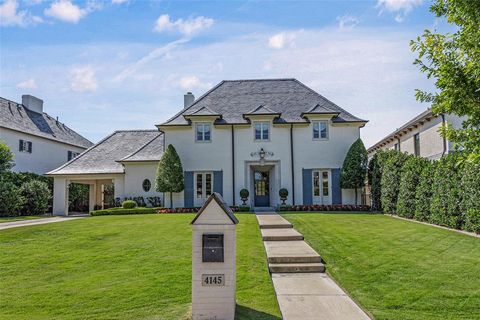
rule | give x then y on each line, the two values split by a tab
188	191
336	190
218	182
20	145
307	186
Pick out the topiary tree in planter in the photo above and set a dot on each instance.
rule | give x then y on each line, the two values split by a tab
283	193
244	195
170	173
354	167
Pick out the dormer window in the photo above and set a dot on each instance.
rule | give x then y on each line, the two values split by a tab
203	132
262	131
320	130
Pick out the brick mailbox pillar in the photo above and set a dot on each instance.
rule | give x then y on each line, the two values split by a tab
214	261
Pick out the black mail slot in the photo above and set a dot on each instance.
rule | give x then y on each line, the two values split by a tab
212	245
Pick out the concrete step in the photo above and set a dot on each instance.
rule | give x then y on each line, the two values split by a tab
296	267
290	252
272	221
282	234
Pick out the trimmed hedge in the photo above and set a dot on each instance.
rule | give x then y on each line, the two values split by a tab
409	179
129	204
315	207
471	196
121	211
423	193
391	173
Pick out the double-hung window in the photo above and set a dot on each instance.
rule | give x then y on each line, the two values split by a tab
203	132
204	184
320	130
262	131
25	146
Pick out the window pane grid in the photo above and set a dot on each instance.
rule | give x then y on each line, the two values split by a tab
261	131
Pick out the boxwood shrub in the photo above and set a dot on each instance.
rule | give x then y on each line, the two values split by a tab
122	211
409	179
129	204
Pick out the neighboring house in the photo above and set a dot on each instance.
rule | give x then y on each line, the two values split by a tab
39	142
420	136
261	135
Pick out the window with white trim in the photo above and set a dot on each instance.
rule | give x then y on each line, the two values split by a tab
25	146
203	132
203	184
262	131
320	130
321	186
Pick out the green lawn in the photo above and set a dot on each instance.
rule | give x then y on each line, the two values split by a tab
12	219
397	269
120	267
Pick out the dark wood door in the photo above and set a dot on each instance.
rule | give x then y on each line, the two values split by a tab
262	186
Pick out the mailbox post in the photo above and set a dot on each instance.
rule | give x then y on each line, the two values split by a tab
214	261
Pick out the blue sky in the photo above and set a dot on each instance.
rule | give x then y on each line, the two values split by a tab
125	64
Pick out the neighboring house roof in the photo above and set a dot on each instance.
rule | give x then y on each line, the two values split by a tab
152	151
288	97
17	117
103	157
420	119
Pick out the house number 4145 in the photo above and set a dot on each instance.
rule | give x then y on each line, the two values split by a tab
213	280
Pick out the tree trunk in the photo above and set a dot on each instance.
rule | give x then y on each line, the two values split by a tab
356	196
171	201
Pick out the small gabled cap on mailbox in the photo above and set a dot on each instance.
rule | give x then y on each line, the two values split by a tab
221	203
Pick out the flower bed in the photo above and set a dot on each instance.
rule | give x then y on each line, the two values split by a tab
315	207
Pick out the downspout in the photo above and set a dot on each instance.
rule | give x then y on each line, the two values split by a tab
233	166
291	157
443	136
399	147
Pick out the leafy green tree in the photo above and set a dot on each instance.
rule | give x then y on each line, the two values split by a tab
354	167
37	197
170	173
409	181
423	194
453	60
391	171
11	200
6	158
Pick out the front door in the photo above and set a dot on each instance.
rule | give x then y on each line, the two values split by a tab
262	185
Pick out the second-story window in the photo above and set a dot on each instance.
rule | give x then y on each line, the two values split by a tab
203	133
416	144
72	155
262	131
320	130
25	146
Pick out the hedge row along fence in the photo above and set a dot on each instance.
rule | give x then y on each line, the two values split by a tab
444	192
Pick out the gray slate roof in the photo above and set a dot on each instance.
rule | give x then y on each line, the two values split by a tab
17	117
235	98
104	156
152	151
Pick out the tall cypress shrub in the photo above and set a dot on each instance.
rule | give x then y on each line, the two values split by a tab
409	179
354	168
391	173
446	193
374	178
423	194
170	173
471	196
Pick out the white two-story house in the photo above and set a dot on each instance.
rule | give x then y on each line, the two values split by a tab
39	142
259	135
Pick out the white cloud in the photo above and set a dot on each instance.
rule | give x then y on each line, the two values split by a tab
403	7
66	11
281	40
186	27
11	16
119	1
83	79
27	84
347	22
193	82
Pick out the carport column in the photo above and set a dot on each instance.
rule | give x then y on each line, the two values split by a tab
118	187
92	196
60	196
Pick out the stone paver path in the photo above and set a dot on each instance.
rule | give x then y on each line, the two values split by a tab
303	290
25	223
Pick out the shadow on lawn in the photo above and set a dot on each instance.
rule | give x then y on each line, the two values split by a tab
242	312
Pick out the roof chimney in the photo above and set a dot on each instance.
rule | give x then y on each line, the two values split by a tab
188	99
32	103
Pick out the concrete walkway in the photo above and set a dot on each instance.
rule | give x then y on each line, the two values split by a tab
26	223
303	290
